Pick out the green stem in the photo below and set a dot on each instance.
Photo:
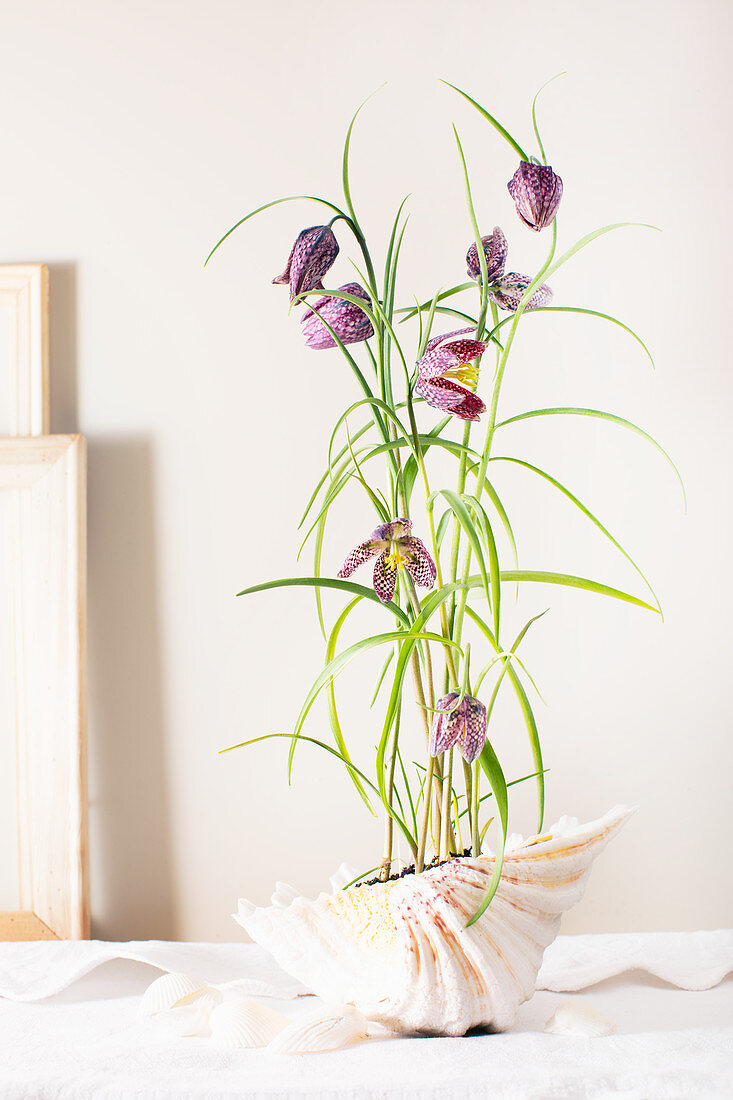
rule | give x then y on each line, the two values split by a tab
447	789
422	838
386	864
468	779
475	803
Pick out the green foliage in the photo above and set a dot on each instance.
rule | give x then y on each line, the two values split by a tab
471	538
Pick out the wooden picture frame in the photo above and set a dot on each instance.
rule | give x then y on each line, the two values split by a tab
25	288
47	479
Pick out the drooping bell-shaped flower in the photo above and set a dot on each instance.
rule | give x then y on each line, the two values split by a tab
508	291
396	549
311	256
465	726
350	323
446	364
495	250
536	191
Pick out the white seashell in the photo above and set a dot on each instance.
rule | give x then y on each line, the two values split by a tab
328	1029
342	876
283	895
245	1024
576	1018
401	953
190	1017
167	991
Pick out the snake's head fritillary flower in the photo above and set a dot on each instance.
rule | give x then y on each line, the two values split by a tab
311	256
395	549
495	250
464	726
444	371
508	291
536	191
350	323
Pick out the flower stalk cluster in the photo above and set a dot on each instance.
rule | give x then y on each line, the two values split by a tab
438	552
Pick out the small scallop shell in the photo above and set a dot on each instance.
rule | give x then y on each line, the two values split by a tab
167	991
245	1024
324	1030
582	1020
191	1016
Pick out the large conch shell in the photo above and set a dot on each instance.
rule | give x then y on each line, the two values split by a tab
400	951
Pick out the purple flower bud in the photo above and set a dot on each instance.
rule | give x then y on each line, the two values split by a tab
495	250
350	323
464	726
508	291
536	191
311	256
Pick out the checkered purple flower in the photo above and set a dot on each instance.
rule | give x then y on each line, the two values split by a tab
536	191
311	256
464	727
508	291
349	322
448	362
396	549
495	250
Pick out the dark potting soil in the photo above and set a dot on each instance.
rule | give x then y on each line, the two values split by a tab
410	870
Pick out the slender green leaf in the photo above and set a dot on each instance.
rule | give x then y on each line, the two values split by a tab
412	311
407	644
490	118
460	511
267	205
331	697
542	577
480	253
510	783
492	770
577	309
586	512
527	713
587	239
327	474
494	570
339	662
328	582
610	417
534	115
382	674
501	512
334	752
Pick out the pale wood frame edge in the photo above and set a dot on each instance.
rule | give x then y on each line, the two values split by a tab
27	284
24	465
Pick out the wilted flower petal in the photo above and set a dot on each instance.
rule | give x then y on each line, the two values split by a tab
311	256
495	251
349	322
464	727
397	549
536	191
508	292
446	364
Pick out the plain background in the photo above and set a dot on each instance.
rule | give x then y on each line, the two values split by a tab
133	135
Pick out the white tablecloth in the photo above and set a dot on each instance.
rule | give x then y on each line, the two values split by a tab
87	1042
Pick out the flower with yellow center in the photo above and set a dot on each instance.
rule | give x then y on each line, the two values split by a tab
447	370
396	549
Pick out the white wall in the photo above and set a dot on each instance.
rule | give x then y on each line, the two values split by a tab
133	135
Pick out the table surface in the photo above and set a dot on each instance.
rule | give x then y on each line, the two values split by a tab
88	1042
